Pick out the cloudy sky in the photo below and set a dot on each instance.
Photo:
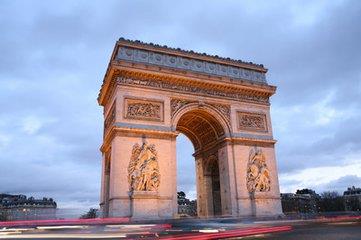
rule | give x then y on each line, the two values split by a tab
53	56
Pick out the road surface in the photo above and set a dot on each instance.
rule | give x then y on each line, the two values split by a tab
327	229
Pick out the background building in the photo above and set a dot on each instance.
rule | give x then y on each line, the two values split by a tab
19	207
303	201
186	207
330	202
352	199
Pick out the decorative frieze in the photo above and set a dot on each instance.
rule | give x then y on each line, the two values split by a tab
110	118
224	109
176	104
192	89
258	175
142	109
143	169
185	63
249	121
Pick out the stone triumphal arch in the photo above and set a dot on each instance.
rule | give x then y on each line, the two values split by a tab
150	94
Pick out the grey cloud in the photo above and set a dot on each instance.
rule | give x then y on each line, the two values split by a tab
340	185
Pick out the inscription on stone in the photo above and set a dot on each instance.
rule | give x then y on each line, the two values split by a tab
168	85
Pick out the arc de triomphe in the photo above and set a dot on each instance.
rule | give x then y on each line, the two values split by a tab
150	94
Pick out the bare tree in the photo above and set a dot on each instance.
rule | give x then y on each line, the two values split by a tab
92	213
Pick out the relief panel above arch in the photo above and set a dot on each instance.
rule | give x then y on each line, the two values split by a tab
252	121
143	109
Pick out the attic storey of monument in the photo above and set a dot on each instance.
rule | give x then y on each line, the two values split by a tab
150	94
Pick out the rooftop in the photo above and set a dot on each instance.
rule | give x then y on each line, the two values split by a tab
9	200
165	47
135	55
352	191
176	58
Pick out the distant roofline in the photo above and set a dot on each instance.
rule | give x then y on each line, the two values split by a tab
21	200
241	63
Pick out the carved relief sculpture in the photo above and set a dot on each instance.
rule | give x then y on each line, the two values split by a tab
176	104
258	176
147	110
187	88
143	169
182	63
110	118
252	122
224	109
144	110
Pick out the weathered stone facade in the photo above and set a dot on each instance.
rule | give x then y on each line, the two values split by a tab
150	94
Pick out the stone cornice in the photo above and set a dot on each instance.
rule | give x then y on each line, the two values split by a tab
248	74
164	132
190	54
259	197
167	60
184	74
129	197
252	141
190	84
135	130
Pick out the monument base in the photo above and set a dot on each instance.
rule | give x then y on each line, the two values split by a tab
268	207
144	205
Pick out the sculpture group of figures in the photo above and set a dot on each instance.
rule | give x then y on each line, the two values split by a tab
143	169
258	176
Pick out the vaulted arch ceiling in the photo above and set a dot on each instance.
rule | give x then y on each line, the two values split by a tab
200	127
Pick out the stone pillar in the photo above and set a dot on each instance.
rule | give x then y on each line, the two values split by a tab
201	194
227	181
106	185
244	202
144	205
102	187
167	202
173	169
119	201
269	203
208	195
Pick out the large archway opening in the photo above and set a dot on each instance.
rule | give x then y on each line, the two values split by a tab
186	178
206	134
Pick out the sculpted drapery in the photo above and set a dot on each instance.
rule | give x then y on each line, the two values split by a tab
143	169
258	176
